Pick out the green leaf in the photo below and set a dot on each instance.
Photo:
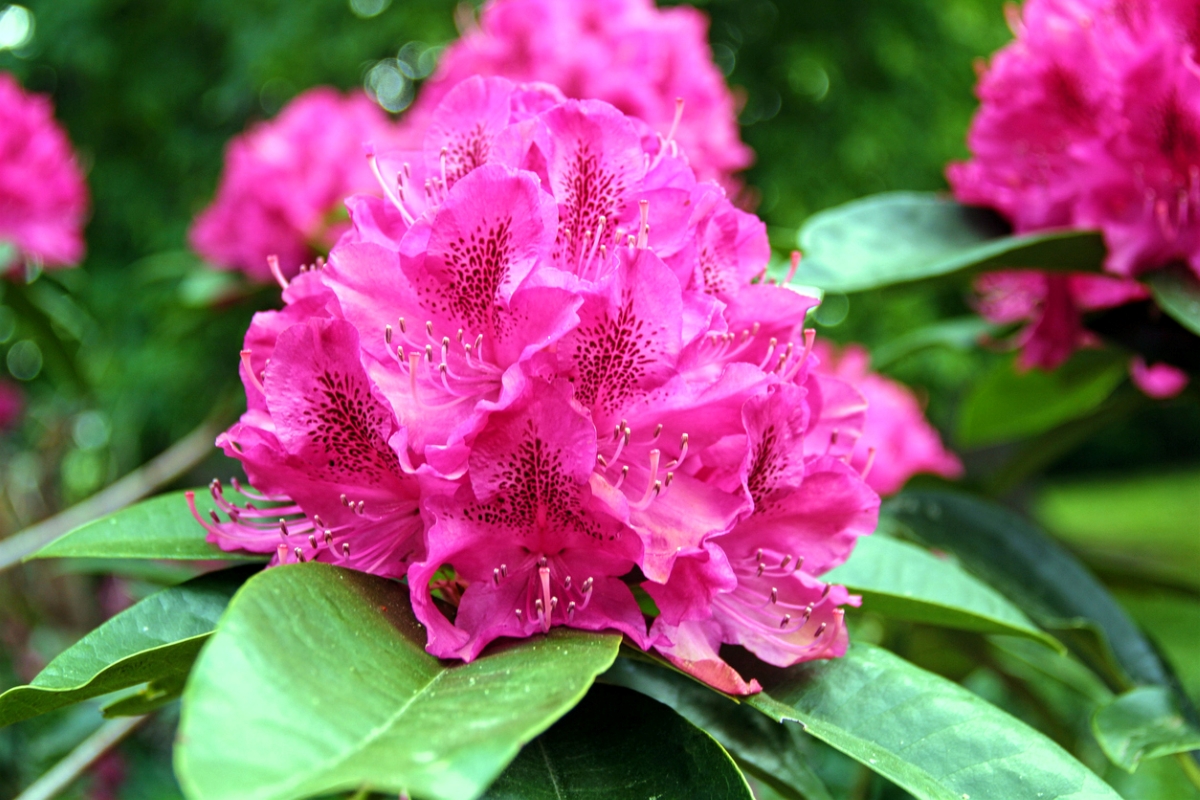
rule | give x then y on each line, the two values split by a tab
907	236
903	581
317	681
158	638
1143	723
1036	574
929	736
1008	404
1177	291
1171	619
620	745
1160	779
962	333
1135	524
771	751
161	527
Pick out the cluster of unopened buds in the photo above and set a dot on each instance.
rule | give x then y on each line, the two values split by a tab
544	374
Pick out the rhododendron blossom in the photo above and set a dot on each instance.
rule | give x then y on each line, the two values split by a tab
285	182
641	59
543	370
1091	119
1053	305
897	441
43	198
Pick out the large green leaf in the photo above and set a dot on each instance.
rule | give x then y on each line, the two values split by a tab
907	236
1143	723
317	681
929	736
155	639
903	581
1038	575
1177	291
162	527
620	745
771	751
1144	525
1008	404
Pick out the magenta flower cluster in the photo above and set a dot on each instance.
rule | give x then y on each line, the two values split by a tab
639	58
1090	119
43	197
284	183
282	190
545	376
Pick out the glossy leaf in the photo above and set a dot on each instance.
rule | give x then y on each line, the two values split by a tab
317	681
899	237
1143	723
903	581
1160	779
1008	404
618	744
1177	291
962	333
1037	574
161	527
931	737
155	639
1143	525
773	752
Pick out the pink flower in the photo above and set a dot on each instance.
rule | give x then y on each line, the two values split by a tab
626	52
1160	381
284	183
43	198
1053	304
1091	119
12	403
897	441
544	376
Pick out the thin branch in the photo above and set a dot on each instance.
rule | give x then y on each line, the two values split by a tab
162	469
69	770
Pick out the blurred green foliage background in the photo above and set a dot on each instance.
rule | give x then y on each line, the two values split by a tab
841	99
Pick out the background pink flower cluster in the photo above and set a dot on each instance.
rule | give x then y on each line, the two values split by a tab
285	180
639	58
545	373
43	198
1090	119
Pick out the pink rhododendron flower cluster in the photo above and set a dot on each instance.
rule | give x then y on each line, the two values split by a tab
43	197
285	182
897	441
1091	119
626	52
543	371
